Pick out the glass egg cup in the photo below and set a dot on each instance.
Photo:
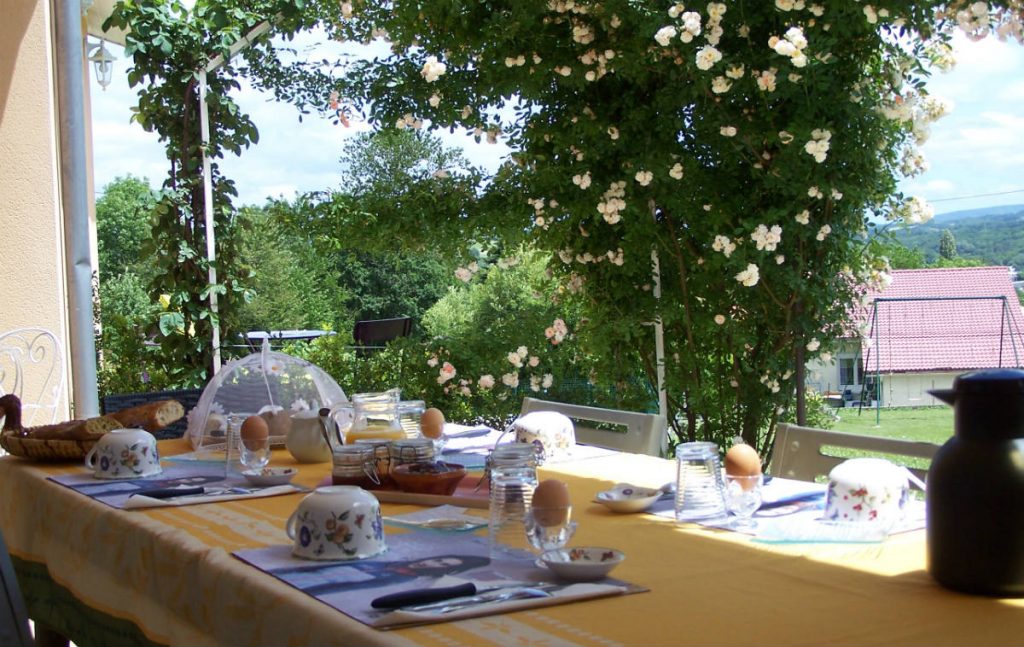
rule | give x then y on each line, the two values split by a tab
548	528
255	453
742	499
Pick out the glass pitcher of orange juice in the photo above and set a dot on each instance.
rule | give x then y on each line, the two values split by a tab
375	415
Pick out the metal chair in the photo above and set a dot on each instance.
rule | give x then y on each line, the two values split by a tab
14	628
628	431
32	368
371	335
798	451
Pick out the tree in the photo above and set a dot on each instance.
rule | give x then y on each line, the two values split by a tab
947	245
123	214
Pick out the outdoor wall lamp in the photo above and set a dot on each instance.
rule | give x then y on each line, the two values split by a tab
103	63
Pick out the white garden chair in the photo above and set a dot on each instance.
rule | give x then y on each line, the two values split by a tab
627	431
32	368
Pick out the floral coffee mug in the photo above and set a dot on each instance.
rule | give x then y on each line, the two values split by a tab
124	454
871	490
340	522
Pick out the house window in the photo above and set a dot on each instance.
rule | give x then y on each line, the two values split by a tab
850	371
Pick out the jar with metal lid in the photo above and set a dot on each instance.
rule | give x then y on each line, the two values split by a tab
381	459
354	465
411	450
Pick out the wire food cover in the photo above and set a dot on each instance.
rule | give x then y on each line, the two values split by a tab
266	382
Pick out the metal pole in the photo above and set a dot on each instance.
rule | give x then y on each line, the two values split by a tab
70	62
659	329
878	370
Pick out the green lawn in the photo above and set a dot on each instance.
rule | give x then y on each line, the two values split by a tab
929	424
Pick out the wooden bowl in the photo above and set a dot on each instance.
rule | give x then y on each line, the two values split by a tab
428	478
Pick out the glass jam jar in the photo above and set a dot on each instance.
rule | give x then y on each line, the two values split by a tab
411	450
355	465
381	459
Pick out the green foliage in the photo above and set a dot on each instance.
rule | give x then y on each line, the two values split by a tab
122	223
128	364
294	286
992	239
947	245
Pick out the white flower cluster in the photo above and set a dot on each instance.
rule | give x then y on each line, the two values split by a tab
707	56
766	80
767	239
556	332
565	6
486	382
600	59
803	217
719	319
789	5
644	178
720	85
433	69
916	210
446	373
515	61
813	345
750	276
792	44
727	131
408	121
815	192
466	274
713	29
823	232
676	172
974	20
612	203
582	181
819	144
873	14
724	245
772	385
346	9
582	33
665	35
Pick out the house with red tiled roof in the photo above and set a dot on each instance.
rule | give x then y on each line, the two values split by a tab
925	328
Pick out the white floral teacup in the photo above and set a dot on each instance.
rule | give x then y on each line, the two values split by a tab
341	522
124	454
553	432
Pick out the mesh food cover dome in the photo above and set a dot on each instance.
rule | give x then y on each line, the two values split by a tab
268	383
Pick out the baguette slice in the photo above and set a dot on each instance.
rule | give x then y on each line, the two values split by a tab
151	416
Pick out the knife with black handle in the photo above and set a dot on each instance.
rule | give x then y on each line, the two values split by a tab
170	492
423	596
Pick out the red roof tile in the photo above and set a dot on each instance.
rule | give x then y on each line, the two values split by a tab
932	330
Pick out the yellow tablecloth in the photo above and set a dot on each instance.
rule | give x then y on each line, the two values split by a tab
170	571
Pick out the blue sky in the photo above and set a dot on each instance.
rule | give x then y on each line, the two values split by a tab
976	153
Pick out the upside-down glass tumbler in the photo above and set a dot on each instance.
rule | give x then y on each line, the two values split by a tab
699	486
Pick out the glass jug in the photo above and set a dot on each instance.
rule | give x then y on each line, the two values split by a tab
375	415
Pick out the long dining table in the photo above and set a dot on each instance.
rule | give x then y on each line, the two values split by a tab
167	576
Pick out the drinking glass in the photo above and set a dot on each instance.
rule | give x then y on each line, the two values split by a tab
255	453
548	528
742	499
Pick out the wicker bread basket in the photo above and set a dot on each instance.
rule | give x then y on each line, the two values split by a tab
46	449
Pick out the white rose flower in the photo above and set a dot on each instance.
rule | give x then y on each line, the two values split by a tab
750	276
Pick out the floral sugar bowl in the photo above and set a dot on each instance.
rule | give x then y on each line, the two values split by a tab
338	522
870	490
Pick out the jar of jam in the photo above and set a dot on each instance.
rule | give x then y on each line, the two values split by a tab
411	450
355	465
381	459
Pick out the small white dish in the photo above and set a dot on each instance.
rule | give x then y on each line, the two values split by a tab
582	564
627	498
268	476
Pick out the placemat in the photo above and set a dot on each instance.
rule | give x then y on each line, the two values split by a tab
118	493
417	560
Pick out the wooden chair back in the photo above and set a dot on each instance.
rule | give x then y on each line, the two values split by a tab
801	452
373	334
628	431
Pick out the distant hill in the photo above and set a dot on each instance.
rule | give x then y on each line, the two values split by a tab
994	235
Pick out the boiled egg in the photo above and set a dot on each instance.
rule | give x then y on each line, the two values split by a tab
432	423
254	431
550	505
742	460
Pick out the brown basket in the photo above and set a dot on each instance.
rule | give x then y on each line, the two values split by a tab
39	449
